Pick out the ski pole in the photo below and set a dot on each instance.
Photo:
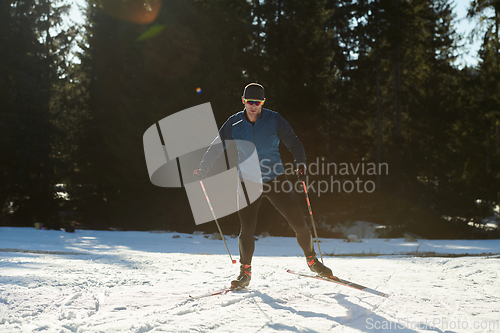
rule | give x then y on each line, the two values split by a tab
312	218
216	222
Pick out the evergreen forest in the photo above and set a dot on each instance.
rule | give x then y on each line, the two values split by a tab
363	83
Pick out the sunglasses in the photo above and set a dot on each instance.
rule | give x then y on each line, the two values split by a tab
254	102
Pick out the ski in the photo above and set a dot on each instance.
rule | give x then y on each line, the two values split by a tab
343	283
217	292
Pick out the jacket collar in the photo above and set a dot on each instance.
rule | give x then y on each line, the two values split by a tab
248	119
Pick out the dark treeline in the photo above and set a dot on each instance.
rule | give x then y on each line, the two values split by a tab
361	82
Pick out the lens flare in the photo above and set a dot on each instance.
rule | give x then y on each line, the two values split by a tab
198	90
134	11
151	32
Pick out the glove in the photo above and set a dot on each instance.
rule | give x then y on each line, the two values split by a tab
300	171
200	174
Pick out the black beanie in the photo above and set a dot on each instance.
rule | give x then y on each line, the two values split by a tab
254	91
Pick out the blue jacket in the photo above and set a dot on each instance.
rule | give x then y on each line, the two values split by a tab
266	134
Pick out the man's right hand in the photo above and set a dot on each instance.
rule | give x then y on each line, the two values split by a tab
301	171
200	174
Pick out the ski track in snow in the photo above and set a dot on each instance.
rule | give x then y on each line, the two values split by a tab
140	282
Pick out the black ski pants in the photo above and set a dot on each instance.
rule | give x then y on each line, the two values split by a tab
285	200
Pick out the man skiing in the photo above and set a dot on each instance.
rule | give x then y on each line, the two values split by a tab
265	128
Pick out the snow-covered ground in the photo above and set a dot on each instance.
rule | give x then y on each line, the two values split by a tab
98	281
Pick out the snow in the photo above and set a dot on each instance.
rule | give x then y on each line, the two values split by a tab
103	281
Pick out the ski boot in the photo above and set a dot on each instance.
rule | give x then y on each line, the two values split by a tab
317	267
243	280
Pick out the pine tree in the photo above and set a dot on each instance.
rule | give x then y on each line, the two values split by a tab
31	66
486	165
139	74
293	59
